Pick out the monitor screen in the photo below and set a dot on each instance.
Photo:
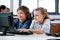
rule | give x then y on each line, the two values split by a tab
6	21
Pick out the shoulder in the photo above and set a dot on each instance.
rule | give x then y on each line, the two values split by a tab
33	22
16	20
47	20
28	21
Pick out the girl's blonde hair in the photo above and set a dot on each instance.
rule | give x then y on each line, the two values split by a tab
43	12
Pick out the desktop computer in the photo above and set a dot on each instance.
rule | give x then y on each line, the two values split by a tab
6	21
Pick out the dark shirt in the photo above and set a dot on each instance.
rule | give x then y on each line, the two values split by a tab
20	25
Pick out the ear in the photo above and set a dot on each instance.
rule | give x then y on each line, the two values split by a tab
43	16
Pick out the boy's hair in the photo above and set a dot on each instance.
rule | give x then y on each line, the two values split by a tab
25	10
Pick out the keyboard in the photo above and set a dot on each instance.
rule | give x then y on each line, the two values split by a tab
21	33
53	34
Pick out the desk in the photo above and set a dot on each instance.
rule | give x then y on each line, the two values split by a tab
55	27
28	37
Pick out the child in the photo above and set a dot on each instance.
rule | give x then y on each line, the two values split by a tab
23	21
41	22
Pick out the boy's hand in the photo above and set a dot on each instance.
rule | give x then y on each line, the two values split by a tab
23	30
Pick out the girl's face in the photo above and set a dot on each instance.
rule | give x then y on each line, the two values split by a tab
38	16
21	15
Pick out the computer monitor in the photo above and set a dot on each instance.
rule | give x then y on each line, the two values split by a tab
6	21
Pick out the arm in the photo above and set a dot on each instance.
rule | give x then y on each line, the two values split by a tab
46	26
32	24
36	31
32	29
15	21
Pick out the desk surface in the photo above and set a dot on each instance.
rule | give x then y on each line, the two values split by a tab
28	37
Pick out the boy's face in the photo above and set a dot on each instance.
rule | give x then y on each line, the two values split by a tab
21	15
38	16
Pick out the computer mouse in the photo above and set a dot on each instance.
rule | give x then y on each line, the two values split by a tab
48	34
56	34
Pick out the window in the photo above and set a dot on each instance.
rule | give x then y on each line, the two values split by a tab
48	4
12	4
15	6
5	2
31	4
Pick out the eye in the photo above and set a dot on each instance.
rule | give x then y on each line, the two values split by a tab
20	13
